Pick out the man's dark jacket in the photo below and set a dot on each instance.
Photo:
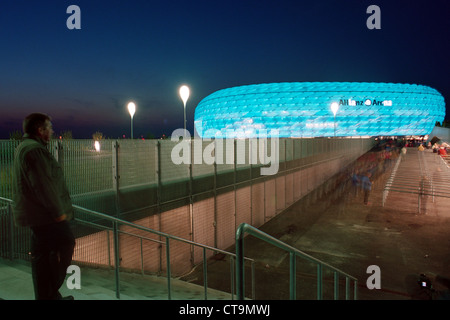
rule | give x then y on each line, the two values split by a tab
40	193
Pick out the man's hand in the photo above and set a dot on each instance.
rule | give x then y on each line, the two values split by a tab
61	218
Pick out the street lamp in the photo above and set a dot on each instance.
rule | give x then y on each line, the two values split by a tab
184	94
334	108
131	110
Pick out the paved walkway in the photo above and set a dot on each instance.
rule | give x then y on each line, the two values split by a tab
420	183
98	284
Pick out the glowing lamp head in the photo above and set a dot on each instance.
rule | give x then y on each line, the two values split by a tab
334	107
184	94
132	108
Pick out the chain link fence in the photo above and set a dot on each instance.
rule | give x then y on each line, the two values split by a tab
199	200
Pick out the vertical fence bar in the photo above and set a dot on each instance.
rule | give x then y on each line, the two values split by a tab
11	233
116	257
205	274
159	194
319	282
142	258
116	174
232	277
191	199
234	183
292	276
253	281
108	243
216	154
240	285
60	154
347	288
169	285
336	286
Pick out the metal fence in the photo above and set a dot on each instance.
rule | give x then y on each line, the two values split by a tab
138	181
293	254
112	232
96	171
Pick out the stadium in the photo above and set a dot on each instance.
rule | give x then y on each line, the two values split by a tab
320	109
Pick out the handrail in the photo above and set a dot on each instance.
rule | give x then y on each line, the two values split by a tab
167	237
115	229
294	252
6	200
162	234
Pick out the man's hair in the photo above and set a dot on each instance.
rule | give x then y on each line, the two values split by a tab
33	122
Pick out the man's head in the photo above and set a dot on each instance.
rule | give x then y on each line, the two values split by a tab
38	125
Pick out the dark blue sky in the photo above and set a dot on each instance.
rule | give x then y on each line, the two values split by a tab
144	50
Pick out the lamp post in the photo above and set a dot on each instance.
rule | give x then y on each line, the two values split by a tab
131	110
334	108
184	94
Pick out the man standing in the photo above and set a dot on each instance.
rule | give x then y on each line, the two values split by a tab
42	202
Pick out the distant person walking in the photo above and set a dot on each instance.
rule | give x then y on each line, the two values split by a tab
442	151
355	183
366	184
42	202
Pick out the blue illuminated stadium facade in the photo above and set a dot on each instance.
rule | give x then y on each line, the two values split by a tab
303	109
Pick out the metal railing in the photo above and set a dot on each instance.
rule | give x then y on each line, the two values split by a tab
129	179
120	165
293	253
115	229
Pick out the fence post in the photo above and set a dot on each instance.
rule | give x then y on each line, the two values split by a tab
159	195
169	272
347	288
205	274
59	154
250	162
158	175
116	177
336	286
240	284
116	257
191	198
293	276
215	189
115	174
11	235
234	183
319	281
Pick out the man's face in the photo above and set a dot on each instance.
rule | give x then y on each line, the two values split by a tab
46	132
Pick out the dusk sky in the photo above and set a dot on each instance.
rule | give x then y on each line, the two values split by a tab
144	50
